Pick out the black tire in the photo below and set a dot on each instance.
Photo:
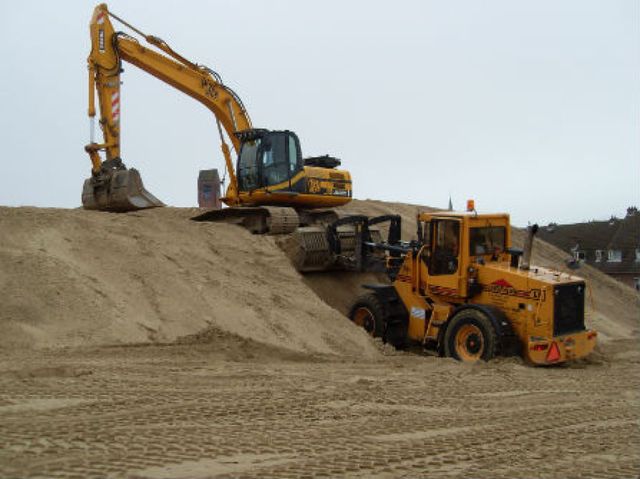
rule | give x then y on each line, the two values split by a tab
470	337
396	335
369	313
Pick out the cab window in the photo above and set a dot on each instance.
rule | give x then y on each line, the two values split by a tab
445	247
248	175
273	156
294	155
487	240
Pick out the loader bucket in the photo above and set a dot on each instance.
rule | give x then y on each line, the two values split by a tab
119	191
309	248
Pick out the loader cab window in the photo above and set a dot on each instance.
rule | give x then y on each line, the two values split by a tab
425	232
488	240
445	247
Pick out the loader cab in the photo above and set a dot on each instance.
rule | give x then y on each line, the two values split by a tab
268	159
440	257
454	243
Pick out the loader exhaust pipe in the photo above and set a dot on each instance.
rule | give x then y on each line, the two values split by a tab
528	246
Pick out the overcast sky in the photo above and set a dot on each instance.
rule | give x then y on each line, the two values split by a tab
529	107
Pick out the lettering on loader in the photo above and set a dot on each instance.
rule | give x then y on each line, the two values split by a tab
505	288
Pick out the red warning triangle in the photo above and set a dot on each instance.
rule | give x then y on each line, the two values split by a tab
554	353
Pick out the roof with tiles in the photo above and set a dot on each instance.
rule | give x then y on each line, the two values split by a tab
615	234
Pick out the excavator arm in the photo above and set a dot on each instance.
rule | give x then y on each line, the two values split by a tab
112	186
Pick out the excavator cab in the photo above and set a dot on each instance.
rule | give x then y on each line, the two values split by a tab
268	159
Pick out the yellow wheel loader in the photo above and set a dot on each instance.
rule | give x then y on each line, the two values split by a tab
272	189
463	291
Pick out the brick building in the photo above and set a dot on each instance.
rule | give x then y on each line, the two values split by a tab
612	246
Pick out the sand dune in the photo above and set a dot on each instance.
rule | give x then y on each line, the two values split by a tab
74	278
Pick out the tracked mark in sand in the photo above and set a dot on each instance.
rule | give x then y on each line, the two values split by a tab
172	412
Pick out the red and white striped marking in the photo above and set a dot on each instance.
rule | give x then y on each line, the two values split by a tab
100	18
115	106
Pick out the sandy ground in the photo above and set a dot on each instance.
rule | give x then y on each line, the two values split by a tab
228	408
146	345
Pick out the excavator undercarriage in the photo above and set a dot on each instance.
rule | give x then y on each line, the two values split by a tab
257	219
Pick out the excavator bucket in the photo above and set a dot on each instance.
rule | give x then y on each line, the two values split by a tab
119	191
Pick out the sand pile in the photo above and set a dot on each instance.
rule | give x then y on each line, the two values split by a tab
612	307
74	277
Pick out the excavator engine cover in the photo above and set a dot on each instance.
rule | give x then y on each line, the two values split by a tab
118	191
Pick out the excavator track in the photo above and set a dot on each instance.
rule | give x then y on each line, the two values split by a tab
272	220
281	220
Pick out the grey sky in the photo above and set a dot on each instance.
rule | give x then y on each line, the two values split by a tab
528	107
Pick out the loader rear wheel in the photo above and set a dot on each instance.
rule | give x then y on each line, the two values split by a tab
369	313
471	337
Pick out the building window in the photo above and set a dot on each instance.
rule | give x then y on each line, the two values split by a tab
636	283
579	255
637	255
599	255
614	256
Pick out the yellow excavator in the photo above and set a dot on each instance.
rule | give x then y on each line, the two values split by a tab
272	189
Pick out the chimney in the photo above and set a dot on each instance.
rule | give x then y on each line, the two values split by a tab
528	246
209	189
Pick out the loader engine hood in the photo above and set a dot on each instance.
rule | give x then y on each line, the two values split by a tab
553	303
533	284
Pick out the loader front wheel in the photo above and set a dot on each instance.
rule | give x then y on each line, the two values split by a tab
369	313
470	337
